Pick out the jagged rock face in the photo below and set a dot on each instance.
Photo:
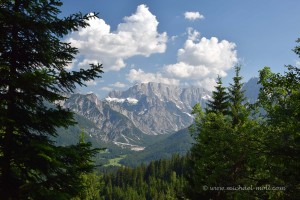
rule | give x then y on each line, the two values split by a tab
124	117
158	108
152	108
86	105
112	125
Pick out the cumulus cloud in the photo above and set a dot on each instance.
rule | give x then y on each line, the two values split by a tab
203	59
199	62
118	85
106	89
90	83
193	16
208	83
137	35
143	77
185	71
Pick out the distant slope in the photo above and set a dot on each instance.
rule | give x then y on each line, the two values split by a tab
71	135
252	89
176	143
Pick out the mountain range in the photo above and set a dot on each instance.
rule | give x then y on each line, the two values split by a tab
147	118
128	117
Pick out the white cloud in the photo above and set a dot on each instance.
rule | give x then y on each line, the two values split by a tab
183	70
193	16
142	77
202	60
118	85
90	82
208	83
215	55
193	34
138	35
297	63
106	89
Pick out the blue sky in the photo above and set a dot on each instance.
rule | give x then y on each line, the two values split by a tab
183	42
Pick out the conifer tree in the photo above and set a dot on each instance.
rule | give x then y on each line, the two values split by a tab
33	62
210	157
237	98
221	154
219	102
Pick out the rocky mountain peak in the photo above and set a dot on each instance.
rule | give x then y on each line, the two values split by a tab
165	92
251	89
91	96
144	109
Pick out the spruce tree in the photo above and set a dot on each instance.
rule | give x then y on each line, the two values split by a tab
33	62
222	154
219	102
237	98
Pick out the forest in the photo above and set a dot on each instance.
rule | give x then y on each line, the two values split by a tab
241	150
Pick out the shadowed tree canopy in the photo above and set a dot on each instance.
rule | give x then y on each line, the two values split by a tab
222	149
219	101
33	61
280	132
237	99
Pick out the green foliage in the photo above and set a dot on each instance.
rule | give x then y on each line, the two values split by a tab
238	110
33	72
115	161
162	179
223	148
236	149
219	102
207	166
280	98
93	185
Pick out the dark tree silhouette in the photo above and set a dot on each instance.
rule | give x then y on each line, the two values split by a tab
33	62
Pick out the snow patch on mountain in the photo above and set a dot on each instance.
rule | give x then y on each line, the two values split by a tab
121	100
188	114
206	97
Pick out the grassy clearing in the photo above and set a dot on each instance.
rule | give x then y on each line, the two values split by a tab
115	161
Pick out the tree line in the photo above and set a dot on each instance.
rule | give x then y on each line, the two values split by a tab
162	179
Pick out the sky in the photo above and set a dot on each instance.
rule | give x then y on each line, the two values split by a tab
182	42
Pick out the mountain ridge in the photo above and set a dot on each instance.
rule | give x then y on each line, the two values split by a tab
109	122
124	117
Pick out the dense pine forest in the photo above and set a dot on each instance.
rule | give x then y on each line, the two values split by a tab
240	150
162	179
